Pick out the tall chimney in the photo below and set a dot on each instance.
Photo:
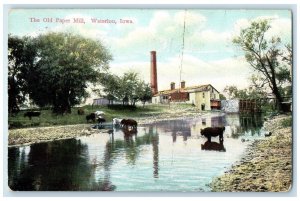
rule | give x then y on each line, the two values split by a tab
153	75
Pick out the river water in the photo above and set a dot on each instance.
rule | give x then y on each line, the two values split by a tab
168	155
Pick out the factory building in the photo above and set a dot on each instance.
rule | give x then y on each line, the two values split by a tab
204	97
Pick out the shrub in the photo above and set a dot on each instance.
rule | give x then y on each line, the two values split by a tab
288	122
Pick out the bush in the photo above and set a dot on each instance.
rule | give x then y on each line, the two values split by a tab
288	122
122	107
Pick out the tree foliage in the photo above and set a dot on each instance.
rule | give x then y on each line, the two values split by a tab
62	67
248	93
21	55
265	55
128	88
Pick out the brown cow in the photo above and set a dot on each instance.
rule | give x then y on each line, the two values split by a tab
128	122
213	132
80	111
129	133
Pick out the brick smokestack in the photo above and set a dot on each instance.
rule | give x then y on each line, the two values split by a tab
153	75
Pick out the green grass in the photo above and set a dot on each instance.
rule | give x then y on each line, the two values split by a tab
287	122
49	119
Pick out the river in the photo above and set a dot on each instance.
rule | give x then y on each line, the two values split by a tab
168	155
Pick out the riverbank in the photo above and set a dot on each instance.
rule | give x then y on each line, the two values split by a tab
48	119
25	136
267	164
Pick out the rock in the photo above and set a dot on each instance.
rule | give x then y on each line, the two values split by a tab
268	134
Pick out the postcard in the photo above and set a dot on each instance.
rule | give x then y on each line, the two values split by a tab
150	100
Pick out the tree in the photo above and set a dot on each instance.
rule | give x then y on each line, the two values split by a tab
231	91
128	88
64	64
144	92
264	55
21	54
222	97
111	84
248	93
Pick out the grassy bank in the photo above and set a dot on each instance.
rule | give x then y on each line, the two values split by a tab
51	127
47	118
267	165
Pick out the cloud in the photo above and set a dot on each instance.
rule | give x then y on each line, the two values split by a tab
280	27
219	73
163	33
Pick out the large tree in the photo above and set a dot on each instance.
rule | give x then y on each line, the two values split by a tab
64	64
264	54
21	55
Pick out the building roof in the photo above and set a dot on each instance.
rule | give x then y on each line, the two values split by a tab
196	88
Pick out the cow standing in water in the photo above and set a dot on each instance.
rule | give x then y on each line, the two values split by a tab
117	122
100	120
213	132
129	123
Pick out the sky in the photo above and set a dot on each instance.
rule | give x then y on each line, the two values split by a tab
209	56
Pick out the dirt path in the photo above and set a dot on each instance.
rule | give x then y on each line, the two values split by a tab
267	165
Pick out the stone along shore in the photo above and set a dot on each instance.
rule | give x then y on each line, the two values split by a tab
266	165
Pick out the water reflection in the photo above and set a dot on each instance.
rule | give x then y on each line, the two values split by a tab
132	159
59	165
243	125
213	146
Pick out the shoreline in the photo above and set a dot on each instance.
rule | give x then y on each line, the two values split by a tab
266	165
28	136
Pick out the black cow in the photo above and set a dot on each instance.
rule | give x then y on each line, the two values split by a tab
32	114
101	120
213	132
91	116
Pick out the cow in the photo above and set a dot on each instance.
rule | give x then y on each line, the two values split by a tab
80	111
213	132
129	133
91	116
213	146
128	123
101	120
32	114
117	122
99	113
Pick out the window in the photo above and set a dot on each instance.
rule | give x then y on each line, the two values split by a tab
203	95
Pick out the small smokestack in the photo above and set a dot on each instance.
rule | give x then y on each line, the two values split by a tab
172	85
182	84
153	76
